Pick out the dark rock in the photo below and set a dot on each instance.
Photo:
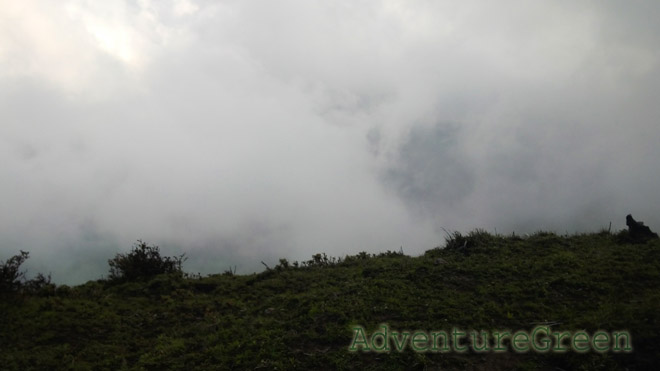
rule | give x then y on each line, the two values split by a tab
638	231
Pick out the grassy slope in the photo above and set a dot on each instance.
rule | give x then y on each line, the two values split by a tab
301	317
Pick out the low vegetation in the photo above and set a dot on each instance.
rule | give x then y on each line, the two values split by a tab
143	262
300	315
13	280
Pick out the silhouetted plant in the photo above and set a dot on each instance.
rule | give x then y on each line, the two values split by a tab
40	285
229	272
477	238
455	240
321	260
283	265
390	254
143	262
363	255
11	278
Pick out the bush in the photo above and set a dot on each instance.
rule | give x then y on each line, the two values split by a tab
11	278
143	262
40	285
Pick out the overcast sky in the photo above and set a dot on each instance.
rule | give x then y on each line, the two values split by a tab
242	131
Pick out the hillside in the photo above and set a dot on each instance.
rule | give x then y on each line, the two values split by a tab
304	316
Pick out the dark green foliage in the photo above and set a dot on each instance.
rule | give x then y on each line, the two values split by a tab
301	316
40	285
283	265
229	272
624	236
474	239
11	277
143	262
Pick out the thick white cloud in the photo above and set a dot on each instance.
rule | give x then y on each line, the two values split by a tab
241	131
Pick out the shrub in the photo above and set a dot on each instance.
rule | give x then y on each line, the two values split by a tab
143	262
283	265
40	285
11	278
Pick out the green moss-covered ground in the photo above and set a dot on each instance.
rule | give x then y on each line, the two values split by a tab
302	317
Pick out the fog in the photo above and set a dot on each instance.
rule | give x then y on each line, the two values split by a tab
246	131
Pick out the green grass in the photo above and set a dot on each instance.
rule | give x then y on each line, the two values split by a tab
301	317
